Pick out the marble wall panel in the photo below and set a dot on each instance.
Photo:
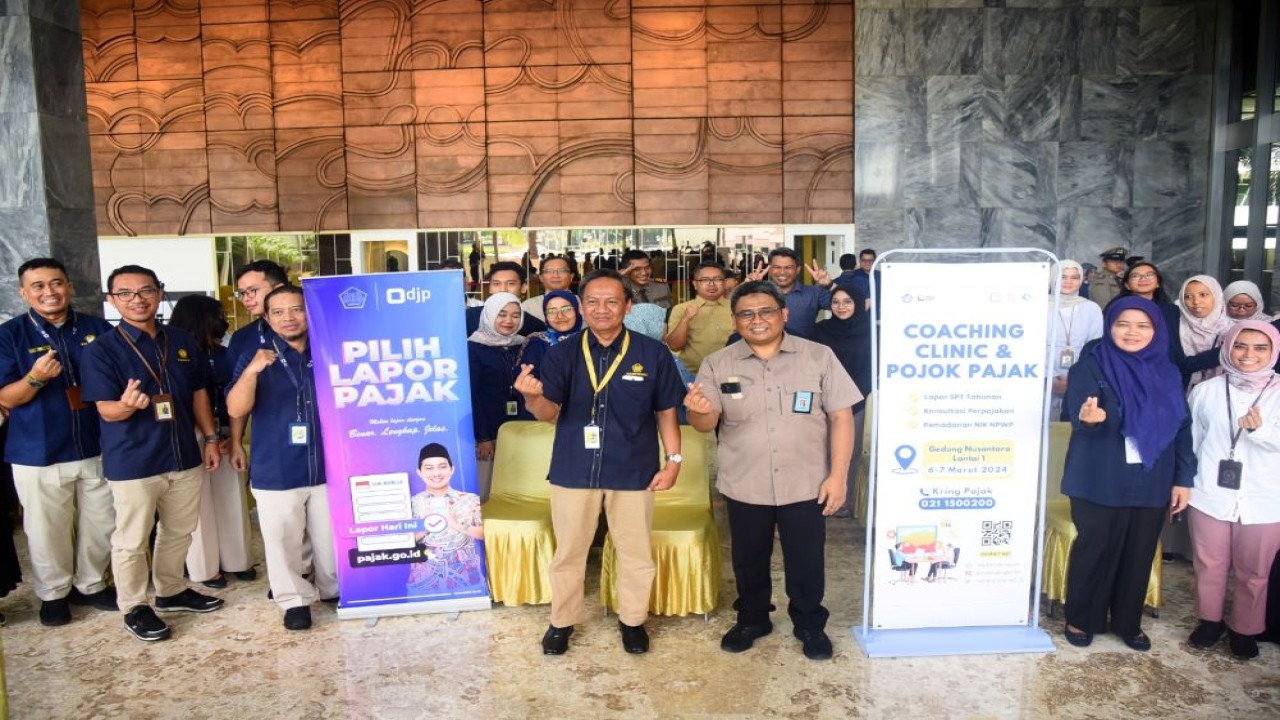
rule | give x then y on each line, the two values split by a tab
890	109
931	175
22	183
958	106
1019	228
59	69
945	42
1095	174
943	228
880	42
1031	41
1029	109
65	158
1019	175
1084	233
882	228
1169	174
878	169
1108	108
17	76
1175	40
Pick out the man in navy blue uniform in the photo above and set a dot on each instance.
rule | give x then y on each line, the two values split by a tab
611	393
803	301
53	444
275	386
149	382
254	282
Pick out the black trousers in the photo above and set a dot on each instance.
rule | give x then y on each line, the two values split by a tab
802	528
1111	565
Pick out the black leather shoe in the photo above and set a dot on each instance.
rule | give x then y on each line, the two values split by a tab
1244	647
742	636
298	618
816	644
247	575
104	599
556	640
1079	639
1207	634
1139	641
54	613
217	582
635	640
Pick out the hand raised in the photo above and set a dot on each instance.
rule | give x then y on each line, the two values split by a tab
133	397
527	384
46	367
261	360
758	273
696	402
1090	413
1251	420
818	273
691	311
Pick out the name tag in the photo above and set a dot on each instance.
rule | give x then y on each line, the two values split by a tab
163	406
802	403
1131	454
512	408
591	437
1066	359
297	433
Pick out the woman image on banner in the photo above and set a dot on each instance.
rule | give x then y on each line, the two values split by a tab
1078	320
1129	468
494	353
1235	504
451	530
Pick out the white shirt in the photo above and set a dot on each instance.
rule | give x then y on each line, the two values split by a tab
533	306
1258	499
1075	326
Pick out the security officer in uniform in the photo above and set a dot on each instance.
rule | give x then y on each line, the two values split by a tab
1104	282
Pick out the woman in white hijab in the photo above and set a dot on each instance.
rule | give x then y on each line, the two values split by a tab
1244	302
1204	319
1079	320
494	352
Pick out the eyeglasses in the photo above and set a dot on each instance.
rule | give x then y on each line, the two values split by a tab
762	313
1243	306
709	281
1143	276
565	311
146	293
248	292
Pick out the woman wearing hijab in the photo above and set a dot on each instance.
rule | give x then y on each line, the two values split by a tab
221	540
848	333
1235	504
494	353
1203	319
1244	302
564	320
1079	320
1145	280
1129	465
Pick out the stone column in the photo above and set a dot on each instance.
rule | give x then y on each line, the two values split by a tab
46	184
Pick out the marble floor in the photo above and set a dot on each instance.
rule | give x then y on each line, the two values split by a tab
240	663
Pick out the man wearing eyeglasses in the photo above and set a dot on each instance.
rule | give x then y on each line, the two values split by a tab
555	274
611	393
785	444
701	326
149	382
53	444
637	268
276	386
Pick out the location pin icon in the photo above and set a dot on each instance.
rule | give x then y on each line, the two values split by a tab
905	455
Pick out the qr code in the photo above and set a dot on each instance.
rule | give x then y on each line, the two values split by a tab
997	532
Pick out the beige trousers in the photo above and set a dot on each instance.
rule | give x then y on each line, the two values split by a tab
68	517
221	538
176	497
574	516
289	520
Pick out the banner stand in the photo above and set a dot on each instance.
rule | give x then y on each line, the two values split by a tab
953	470
433	606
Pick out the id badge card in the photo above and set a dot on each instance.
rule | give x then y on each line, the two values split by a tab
1066	359
297	433
802	403
512	408
1229	472
163	405
73	398
591	437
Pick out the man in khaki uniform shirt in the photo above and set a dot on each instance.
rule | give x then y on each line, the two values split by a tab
703	325
784	405
1104	282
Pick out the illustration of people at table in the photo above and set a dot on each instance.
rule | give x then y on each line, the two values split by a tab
451	529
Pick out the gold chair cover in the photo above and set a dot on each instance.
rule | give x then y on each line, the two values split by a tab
684	541
518	539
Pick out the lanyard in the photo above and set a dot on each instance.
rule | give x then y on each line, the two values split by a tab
1235	437
164	353
1065	325
598	385
297	384
59	346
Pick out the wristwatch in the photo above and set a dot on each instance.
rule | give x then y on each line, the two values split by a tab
35	382
674	457
211	439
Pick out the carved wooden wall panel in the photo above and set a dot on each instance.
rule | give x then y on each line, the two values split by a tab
242	115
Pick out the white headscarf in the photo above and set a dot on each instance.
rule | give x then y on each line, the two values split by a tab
487	332
1246	287
1077	298
1200	334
